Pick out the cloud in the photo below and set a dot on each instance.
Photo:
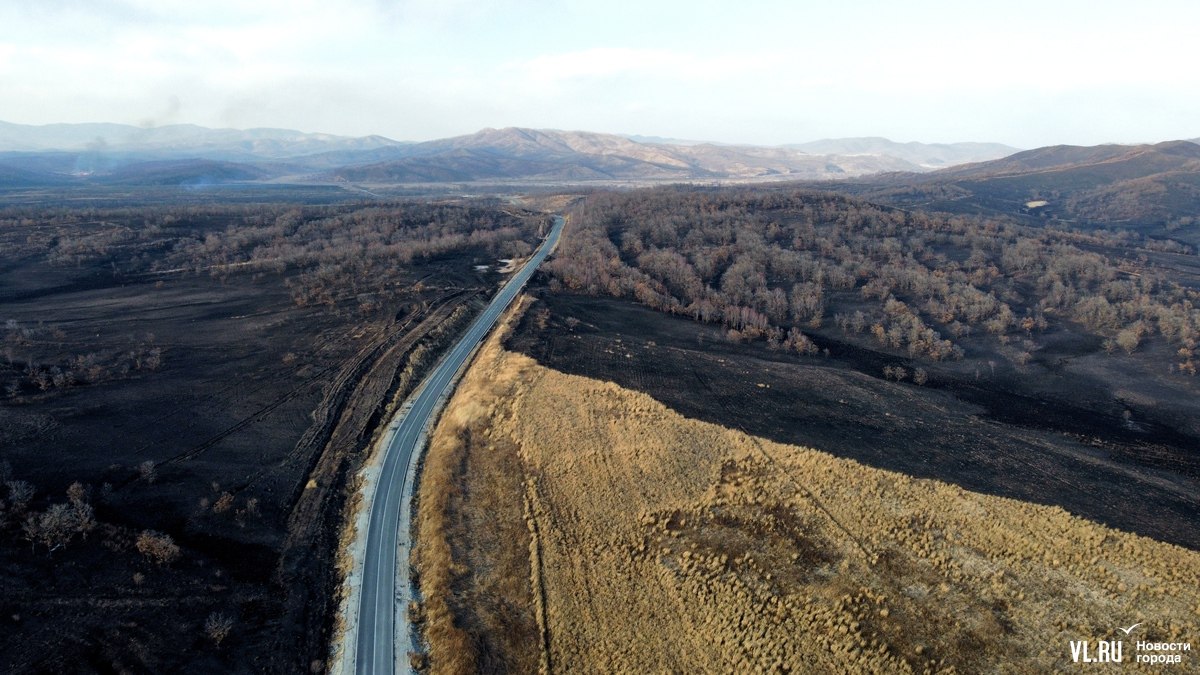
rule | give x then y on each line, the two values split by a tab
607	62
602	62
782	71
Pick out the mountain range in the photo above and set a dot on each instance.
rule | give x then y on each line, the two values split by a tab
102	153
1151	188
180	140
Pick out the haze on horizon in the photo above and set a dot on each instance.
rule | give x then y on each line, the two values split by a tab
1023	73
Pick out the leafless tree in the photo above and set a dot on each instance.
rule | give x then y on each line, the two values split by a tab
218	626
52	528
20	492
1129	338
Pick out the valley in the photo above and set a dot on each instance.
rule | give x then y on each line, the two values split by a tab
456	338
907	399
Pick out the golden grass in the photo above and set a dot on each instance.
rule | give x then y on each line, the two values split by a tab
669	544
472	548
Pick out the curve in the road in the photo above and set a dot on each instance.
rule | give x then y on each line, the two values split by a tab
387	545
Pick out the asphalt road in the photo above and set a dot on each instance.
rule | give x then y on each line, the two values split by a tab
387	545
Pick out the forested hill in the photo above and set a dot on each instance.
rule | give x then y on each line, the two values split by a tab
781	265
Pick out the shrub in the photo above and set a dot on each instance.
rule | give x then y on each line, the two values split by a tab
158	548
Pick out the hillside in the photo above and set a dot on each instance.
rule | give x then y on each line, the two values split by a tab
1151	188
184	172
1080	333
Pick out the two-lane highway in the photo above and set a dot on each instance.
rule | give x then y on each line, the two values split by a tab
378	650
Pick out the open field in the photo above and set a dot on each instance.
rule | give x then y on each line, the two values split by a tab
208	375
646	541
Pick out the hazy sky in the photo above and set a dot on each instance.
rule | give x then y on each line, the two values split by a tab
1023	73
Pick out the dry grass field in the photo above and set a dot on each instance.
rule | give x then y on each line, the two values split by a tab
569	525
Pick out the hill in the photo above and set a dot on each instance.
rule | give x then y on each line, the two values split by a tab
184	172
1150	188
92	170
13	175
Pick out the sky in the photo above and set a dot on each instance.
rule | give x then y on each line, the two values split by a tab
1023	73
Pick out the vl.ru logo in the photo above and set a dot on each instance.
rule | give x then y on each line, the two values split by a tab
1100	651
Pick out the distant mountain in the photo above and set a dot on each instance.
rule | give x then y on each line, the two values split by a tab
1153	188
926	155
535	154
179	140
663	140
114	153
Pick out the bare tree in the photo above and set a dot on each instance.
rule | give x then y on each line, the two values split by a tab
19	494
52	528
77	493
1129	338
84	514
218	626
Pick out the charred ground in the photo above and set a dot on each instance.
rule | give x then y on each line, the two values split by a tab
210	373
